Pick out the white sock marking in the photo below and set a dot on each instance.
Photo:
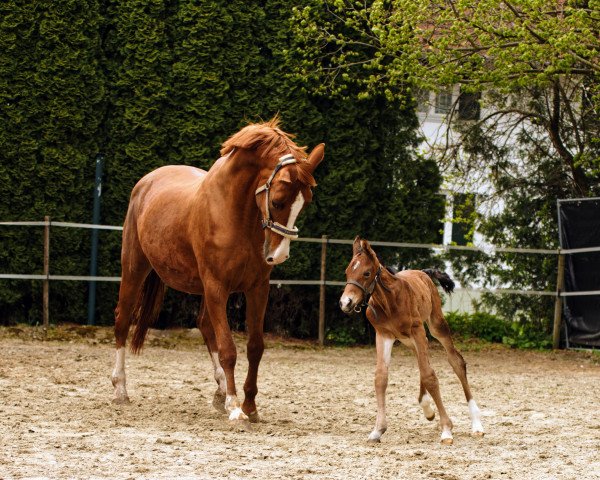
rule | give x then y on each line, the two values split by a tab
475	417
426	405
118	374
219	372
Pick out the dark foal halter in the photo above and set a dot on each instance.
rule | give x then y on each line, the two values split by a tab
368	291
267	222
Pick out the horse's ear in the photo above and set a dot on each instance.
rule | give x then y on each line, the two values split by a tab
316	156
356	247
366	247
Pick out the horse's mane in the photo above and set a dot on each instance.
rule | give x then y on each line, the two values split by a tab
269	140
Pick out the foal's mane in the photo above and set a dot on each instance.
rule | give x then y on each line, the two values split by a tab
269	140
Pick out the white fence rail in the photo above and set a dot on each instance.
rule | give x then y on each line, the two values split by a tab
324	241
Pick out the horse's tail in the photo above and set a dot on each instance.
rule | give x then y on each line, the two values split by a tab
442	278
147	309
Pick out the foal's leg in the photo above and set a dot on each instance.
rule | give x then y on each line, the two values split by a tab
384	354
429	380
425	400
210	341
256	304
215	298
440	330
135	269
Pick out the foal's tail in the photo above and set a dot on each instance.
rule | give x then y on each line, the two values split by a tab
442	278
147	309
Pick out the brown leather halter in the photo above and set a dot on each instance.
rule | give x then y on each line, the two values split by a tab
268	222
368	291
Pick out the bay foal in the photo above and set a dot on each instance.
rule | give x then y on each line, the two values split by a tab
213	233
398	307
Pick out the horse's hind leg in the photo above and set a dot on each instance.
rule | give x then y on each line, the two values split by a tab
429	380
208	334
425	400
440	330
135	268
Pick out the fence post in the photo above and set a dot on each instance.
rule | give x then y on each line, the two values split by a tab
46	282
324	241
94	250
560	280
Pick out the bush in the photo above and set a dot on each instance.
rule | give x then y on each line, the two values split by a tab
492	328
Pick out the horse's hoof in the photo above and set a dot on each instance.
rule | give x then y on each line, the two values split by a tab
219	402
253	417
432	418
478	434
121	400
373	440
446	441
375	437
237	415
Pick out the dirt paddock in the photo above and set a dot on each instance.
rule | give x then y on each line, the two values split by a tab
540	411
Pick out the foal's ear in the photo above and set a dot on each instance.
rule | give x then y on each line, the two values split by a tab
366	247
356	246
316	156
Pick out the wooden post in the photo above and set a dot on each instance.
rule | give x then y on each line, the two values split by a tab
324	242
46	282
560	281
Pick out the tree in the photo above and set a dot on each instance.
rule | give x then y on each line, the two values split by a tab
536	63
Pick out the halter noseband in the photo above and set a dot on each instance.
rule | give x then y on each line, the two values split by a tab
267	222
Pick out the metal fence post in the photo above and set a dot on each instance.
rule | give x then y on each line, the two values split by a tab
46	281
560	281
94	250
324	241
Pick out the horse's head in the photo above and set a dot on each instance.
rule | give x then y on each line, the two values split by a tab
283	192
362	274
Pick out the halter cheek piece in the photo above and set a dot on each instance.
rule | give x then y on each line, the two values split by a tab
267	222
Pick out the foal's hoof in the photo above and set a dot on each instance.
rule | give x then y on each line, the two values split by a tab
478	434
447	441
219	401
375	436
121	400
432	418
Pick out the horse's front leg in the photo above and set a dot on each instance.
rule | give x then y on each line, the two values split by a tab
256	304
384	354
215	298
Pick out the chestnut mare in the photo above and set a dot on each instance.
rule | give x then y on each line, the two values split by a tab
398	305
213	233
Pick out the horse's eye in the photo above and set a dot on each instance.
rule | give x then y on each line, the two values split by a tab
277	205
367	274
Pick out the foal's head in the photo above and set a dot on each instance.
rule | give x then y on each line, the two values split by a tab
362	274
283	186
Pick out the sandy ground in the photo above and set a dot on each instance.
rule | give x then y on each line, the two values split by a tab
540	411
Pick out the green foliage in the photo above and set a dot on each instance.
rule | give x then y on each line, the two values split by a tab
492	328
52	97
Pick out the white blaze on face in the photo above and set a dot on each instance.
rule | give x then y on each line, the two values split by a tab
283	249
356	265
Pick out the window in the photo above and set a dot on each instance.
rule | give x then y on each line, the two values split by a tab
468	106
443	102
